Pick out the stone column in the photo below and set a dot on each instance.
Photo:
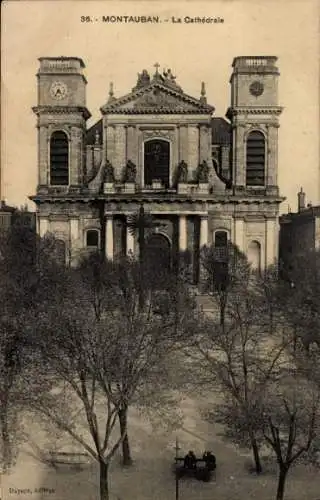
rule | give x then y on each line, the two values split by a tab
239	234
203	231
183	242
43	227
130	242
109	237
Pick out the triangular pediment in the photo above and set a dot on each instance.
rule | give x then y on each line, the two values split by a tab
156	99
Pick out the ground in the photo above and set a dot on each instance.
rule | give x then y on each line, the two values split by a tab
151	477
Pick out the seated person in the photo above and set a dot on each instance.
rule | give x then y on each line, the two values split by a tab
190	460
209	459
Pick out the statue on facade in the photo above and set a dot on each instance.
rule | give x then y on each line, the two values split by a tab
182	174
108	175
169	76
143	79
130	172
170	79
203	172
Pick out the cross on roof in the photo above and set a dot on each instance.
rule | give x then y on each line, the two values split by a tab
157	66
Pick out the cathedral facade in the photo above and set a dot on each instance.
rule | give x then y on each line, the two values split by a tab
204	179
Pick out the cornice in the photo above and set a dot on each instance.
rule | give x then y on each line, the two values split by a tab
157	198
113	107
59	110
259	110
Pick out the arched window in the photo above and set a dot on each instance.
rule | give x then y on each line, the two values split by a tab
221	245
254	255
59	159
157	161
221	259
92	238
255	167
220	239
59	251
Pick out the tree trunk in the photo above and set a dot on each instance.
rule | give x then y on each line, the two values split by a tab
123	419
104	486
281	482
5	438
256	455
222	313
141	266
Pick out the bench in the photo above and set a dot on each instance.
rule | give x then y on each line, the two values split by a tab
201	471
75	459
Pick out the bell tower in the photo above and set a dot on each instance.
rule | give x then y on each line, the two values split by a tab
254	113
61	124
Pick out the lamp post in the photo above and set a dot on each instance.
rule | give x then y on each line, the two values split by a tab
177	448
139	223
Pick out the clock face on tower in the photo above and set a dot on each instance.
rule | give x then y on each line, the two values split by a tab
256	88
58	90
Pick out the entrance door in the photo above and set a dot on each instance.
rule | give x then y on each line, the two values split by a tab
156	161
158	257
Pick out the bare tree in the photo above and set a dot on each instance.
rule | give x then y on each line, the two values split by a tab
102	350
291	421
20	255
299	298
241	357
158	327
224	268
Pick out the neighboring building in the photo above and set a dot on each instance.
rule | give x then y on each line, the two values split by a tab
5	215
12	215
299	231
204	179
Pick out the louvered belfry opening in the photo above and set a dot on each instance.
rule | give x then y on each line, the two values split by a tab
59	159
255	170
157	162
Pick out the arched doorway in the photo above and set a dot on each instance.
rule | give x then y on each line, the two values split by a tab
158	256
254	255
157	162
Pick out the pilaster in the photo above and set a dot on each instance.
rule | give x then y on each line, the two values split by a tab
110	149
270	242
239	158
193	149
75	156
109	237
272	156
43	156
183	143
183	233
239	234
203	144
43	226
120	151
132	144
203	231
130	241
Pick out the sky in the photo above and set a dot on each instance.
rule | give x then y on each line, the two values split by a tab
195	52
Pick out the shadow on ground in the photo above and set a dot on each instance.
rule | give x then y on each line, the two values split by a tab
151	477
